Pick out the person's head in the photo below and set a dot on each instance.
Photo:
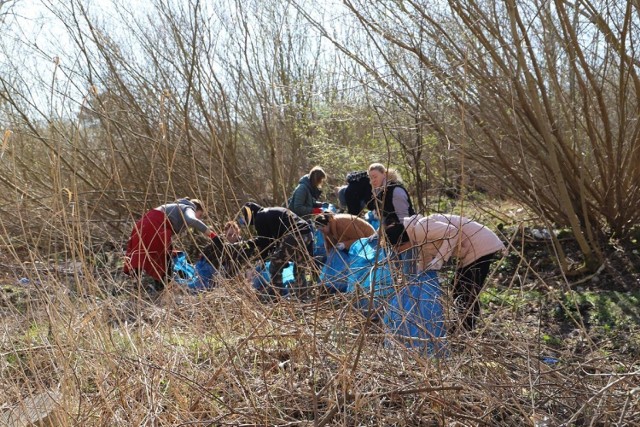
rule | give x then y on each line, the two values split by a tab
199	207
321	222
247	214
377	174
317	176
232	231
341	195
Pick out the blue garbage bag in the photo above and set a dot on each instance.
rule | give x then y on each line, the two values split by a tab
371	219
415	316
184	272
335	272
369	267
262	282
206	274
329	207
319	251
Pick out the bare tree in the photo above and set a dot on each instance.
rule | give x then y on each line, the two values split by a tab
544	99
6	9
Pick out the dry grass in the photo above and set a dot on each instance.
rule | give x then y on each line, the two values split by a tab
111	356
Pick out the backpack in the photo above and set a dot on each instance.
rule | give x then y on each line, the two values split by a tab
357	176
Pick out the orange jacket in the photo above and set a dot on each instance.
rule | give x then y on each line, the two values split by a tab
345	228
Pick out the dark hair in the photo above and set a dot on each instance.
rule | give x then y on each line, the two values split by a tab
321	220
316	175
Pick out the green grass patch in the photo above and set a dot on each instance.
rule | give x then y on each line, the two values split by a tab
552	340
514	298
609	309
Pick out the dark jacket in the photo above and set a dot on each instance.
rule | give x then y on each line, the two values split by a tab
384	198
358	193
273	223
304	198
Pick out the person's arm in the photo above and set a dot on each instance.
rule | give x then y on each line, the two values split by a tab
302	202
444	238
193	222
400	202
328	242
330	236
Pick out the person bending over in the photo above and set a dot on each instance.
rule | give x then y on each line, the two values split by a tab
281	236
150	244
341	230
474	253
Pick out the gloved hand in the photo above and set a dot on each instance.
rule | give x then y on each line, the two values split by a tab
217	242
316	211
340	246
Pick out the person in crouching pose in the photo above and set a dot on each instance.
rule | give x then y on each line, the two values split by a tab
281	236
149	247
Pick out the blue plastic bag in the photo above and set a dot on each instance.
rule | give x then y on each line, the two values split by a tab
369	268
415	316
262	282
319	251
335	272
206	274
184	273
371	219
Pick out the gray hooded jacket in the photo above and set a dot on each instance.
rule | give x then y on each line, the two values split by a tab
182	214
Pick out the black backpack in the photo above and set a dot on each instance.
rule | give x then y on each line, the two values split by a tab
357	176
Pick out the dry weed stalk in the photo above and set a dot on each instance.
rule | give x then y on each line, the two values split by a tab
222	357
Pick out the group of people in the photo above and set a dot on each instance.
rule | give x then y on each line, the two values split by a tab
282	234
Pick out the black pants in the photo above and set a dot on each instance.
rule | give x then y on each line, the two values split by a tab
297	248
467	285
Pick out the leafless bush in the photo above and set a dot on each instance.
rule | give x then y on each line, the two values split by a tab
110	356
539	95
161	102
